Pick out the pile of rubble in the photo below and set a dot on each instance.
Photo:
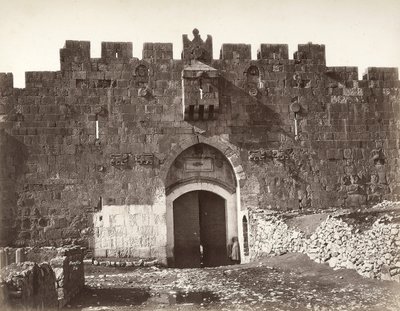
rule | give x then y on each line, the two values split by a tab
373	250
42	277
28	285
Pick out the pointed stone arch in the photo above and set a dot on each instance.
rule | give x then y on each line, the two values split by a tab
230	151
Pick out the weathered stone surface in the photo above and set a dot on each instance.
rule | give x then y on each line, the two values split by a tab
343	240
57	169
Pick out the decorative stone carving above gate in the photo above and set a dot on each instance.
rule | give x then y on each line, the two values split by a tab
144	159
197	49
200	92
199	165
264	154
200	80
120	161
201	162
123	160
253	80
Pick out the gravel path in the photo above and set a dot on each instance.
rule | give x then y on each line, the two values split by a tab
288	282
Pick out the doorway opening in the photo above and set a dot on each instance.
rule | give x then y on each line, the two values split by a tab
200	238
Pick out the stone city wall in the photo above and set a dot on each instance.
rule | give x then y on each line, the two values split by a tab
367	242
42	284
303	135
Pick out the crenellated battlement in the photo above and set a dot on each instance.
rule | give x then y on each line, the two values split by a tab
273	51
157	51
74	55
238	52
381	73
76	61
79	51
116	50
312	51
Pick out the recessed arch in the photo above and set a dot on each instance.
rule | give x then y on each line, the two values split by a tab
230	211
230	151
201	163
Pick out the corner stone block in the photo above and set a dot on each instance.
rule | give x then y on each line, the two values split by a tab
311	51
156	51
273	51
235	51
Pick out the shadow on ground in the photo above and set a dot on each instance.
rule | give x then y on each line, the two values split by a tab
92	297
288	282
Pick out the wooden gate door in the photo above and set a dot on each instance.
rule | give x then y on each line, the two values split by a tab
213	229
187	231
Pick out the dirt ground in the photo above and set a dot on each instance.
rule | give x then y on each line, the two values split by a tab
288	282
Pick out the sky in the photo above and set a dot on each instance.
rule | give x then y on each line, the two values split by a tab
359	33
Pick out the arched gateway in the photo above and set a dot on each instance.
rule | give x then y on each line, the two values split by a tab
196	202
201	208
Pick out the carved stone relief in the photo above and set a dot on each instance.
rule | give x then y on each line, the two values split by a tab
264	154
197	49
123	160
199	164
100	84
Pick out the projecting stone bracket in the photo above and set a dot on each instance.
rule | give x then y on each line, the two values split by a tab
200	92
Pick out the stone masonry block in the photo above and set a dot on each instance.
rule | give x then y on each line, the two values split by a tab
273	51
381	73
311	51
235	51
157	51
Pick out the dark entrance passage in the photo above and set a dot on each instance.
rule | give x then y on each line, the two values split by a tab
199	219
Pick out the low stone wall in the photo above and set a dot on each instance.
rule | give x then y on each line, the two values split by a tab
126	262
34	254
31	284
368	242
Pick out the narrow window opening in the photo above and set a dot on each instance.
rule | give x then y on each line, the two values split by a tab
100	205
201	89
296	134
116	55
245	236
97	127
